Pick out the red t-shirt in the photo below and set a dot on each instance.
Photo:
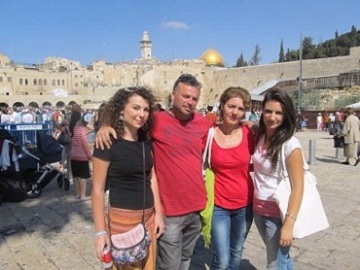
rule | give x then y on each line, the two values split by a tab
233	184
211	116
177	149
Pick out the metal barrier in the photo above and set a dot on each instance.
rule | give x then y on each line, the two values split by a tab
27	132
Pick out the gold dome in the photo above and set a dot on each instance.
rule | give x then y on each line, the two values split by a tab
212	57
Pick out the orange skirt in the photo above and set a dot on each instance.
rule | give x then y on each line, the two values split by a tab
123	220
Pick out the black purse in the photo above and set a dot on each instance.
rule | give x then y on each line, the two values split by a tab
64	138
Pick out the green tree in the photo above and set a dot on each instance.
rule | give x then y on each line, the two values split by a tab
281	53
240	61
308	50
292	55
320	51
353	36
256	58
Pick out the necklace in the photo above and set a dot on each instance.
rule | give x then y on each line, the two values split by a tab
229	137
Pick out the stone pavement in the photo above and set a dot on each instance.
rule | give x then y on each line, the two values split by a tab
56	232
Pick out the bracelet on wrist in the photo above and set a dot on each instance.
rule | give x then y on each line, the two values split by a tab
291	216
100	233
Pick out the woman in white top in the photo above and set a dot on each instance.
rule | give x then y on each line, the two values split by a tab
276	127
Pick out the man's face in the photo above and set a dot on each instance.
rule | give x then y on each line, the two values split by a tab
185	98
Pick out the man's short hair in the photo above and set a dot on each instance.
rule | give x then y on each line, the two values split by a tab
187	79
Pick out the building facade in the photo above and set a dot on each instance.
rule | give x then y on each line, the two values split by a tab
62	80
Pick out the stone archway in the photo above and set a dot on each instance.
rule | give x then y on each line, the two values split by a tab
3	105
46	103
60	104
33	104
18	104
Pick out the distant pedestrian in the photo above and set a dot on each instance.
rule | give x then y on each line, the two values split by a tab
319	122
80	155
351	133
210	114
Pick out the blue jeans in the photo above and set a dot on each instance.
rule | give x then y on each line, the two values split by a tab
176	245
278	257
229	229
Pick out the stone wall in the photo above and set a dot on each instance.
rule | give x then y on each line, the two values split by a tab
99	81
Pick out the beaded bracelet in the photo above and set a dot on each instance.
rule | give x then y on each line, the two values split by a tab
290	216
99	233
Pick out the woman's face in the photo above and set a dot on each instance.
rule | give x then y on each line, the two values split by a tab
273	115
136	112
233	111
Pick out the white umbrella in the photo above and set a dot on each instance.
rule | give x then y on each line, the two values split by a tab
59	92
354	106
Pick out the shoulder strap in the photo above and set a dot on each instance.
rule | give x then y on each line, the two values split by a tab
206	157
144	180
284	171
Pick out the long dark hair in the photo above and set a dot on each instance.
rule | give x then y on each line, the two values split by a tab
117	103
74	118
286	130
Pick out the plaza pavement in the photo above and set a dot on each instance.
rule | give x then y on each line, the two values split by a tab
56	231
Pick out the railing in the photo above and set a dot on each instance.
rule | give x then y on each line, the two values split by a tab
27	132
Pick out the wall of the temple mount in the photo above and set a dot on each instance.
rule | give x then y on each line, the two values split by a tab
100	80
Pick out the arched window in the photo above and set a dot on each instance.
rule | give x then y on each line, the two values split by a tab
63	82
35	82
45	81
26	81
40	81
21	81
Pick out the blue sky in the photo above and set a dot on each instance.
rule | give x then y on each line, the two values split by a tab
88	30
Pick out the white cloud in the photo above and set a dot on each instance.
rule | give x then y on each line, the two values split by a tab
175	25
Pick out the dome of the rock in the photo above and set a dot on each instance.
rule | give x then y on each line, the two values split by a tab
212	58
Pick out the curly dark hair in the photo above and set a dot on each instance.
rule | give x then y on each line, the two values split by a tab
286	130
117	103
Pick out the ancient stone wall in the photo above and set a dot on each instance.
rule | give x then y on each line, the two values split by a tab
101	80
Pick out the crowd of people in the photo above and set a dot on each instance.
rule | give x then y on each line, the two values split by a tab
150	161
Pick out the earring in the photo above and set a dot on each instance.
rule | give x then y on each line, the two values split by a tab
145	127
120	121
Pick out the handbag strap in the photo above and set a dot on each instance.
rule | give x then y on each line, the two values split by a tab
206	157
144	181
144	190
284	171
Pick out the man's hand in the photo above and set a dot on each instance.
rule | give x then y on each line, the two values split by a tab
103	139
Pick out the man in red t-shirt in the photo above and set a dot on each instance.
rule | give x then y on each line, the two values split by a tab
177	138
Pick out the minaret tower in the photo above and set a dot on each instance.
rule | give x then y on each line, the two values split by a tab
145	45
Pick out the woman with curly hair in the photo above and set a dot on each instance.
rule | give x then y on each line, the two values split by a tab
129	113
